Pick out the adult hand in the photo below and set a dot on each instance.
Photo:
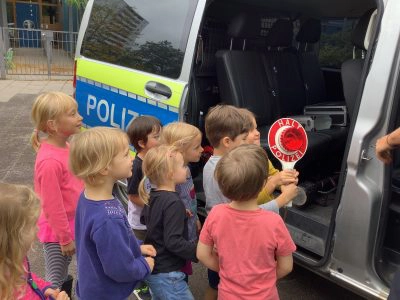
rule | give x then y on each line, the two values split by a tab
384	150
69	249
148	250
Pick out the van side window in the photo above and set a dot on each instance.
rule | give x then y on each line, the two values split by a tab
335	45
149	35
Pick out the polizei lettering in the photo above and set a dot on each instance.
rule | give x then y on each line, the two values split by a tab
108	114
287	157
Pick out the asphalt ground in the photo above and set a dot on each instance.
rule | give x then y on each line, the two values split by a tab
16	166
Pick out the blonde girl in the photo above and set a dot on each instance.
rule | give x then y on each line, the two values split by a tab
166	221
55	117
187	139
19	211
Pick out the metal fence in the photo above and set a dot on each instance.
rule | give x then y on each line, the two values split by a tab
33	52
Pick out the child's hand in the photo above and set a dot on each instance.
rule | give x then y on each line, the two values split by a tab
69	249
285	177
189	213
289	192
62	296
148	250
56	294
150	262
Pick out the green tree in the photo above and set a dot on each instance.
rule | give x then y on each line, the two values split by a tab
77	3
335	48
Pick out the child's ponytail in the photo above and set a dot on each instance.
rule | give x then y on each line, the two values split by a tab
143	194
35	140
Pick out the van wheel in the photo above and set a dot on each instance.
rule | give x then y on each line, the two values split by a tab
120	191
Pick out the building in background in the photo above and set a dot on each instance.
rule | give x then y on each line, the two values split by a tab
54	15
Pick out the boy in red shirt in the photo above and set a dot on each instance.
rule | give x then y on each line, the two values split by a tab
250	248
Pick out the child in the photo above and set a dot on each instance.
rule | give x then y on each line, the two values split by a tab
55	114
166	222
187	139
19	212
110	261
242	230
227	127
276	178
143	133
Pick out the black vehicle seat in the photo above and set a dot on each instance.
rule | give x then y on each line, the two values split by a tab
314	83
281	57
241	75
352	69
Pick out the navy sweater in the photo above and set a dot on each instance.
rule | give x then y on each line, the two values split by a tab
109	259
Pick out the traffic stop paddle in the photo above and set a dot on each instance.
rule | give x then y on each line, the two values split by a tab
288	142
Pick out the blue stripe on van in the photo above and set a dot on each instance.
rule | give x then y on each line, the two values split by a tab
102	105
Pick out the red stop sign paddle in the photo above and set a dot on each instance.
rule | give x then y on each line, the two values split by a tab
288	142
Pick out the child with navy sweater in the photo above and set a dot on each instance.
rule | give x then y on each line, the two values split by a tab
110	260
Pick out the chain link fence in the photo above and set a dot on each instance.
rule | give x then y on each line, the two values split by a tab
33	53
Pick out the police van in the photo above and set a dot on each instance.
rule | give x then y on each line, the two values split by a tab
331	64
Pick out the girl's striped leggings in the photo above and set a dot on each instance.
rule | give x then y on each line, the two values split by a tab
56	264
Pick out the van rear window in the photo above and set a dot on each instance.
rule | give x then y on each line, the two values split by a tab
148	35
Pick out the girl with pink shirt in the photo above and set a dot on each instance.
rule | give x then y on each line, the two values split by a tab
19	211
55	114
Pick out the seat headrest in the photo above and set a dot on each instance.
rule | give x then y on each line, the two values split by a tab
310	32
280	34
244	26
359	32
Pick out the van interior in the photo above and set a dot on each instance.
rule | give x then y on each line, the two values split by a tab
301	59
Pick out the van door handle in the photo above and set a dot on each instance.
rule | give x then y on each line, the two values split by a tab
156	89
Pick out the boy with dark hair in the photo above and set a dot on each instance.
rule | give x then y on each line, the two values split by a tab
144	133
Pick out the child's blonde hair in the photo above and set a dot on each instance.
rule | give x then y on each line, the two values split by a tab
242	172
48	106
19	212
179	135
158	164
92	150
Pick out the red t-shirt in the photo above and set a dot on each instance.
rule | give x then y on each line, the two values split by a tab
247	243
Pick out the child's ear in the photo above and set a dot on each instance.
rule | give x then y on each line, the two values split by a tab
141	144
51	125
226	141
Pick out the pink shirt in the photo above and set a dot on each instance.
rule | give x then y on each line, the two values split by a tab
28	292
58	190
247	243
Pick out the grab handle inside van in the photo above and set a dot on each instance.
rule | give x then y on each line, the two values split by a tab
158	90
